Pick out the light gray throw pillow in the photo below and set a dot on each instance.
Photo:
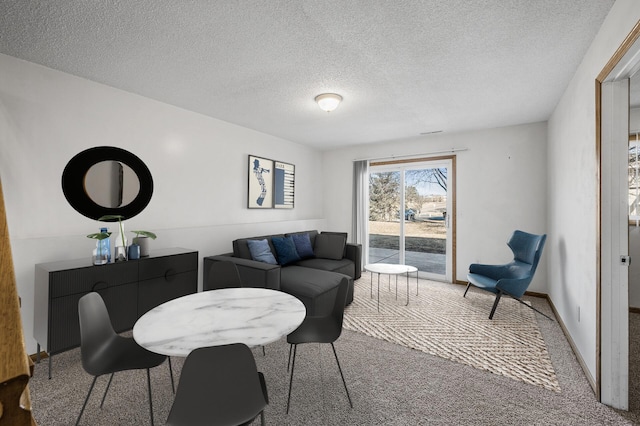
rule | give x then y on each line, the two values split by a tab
261	251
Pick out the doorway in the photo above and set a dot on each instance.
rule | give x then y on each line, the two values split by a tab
612	149
634	242
411	215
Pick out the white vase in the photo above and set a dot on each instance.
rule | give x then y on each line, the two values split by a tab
120	244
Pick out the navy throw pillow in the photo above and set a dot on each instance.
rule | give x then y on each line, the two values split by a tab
285	250
261	251
303	245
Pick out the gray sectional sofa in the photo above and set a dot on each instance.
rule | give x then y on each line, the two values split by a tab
311	272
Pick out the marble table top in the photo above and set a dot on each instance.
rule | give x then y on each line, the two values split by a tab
389	268
253	316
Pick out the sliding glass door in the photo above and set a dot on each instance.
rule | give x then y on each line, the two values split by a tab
410	210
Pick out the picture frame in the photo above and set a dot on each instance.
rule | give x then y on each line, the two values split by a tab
284	179
260	183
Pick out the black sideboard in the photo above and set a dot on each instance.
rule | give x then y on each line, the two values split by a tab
129	289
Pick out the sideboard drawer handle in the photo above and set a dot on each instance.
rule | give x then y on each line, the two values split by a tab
170	274
101	284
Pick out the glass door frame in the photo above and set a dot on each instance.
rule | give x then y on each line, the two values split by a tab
427	162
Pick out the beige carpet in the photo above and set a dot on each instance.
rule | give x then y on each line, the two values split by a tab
439	321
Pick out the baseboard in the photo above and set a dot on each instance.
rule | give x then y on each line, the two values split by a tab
574	348
43	355
634	310
536	294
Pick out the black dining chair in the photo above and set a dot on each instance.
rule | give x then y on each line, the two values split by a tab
105	352
320	329
222	274
219	386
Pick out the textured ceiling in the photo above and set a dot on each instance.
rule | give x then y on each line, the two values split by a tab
404	67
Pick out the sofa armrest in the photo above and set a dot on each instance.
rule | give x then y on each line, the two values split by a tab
353	252
252	272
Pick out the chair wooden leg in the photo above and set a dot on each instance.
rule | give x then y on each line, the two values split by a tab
342	375
495	304
150	399
293	366
465	292
106	390
86	399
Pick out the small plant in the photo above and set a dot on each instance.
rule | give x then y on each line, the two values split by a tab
110	217
143	234
120	218
99	235
99	253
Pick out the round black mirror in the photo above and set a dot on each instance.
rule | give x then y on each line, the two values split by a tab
107	180
111	184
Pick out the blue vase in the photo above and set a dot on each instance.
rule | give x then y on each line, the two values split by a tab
134	252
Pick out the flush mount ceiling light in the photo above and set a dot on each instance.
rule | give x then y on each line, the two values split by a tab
328	101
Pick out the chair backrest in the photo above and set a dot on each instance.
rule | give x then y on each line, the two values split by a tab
223	274
218	385
95	329
527	248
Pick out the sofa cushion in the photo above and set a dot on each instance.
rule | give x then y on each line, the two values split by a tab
343	266
314	287
311	233
285	250
330	246
303	245
344	234
241	249
261	251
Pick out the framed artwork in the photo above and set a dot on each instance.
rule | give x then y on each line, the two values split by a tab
260	195
284	180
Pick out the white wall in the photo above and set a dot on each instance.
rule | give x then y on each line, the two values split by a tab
573	187
199	166
501	186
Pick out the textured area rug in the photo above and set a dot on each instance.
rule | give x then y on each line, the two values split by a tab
439	321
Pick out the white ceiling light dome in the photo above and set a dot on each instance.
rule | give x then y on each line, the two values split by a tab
328	101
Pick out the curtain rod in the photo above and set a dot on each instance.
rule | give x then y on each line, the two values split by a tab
393	157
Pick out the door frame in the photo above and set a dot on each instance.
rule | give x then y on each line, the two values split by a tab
612	306
451	190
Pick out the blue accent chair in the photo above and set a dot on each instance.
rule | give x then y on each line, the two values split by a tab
513	278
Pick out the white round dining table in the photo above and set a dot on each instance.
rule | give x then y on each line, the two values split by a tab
253	316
